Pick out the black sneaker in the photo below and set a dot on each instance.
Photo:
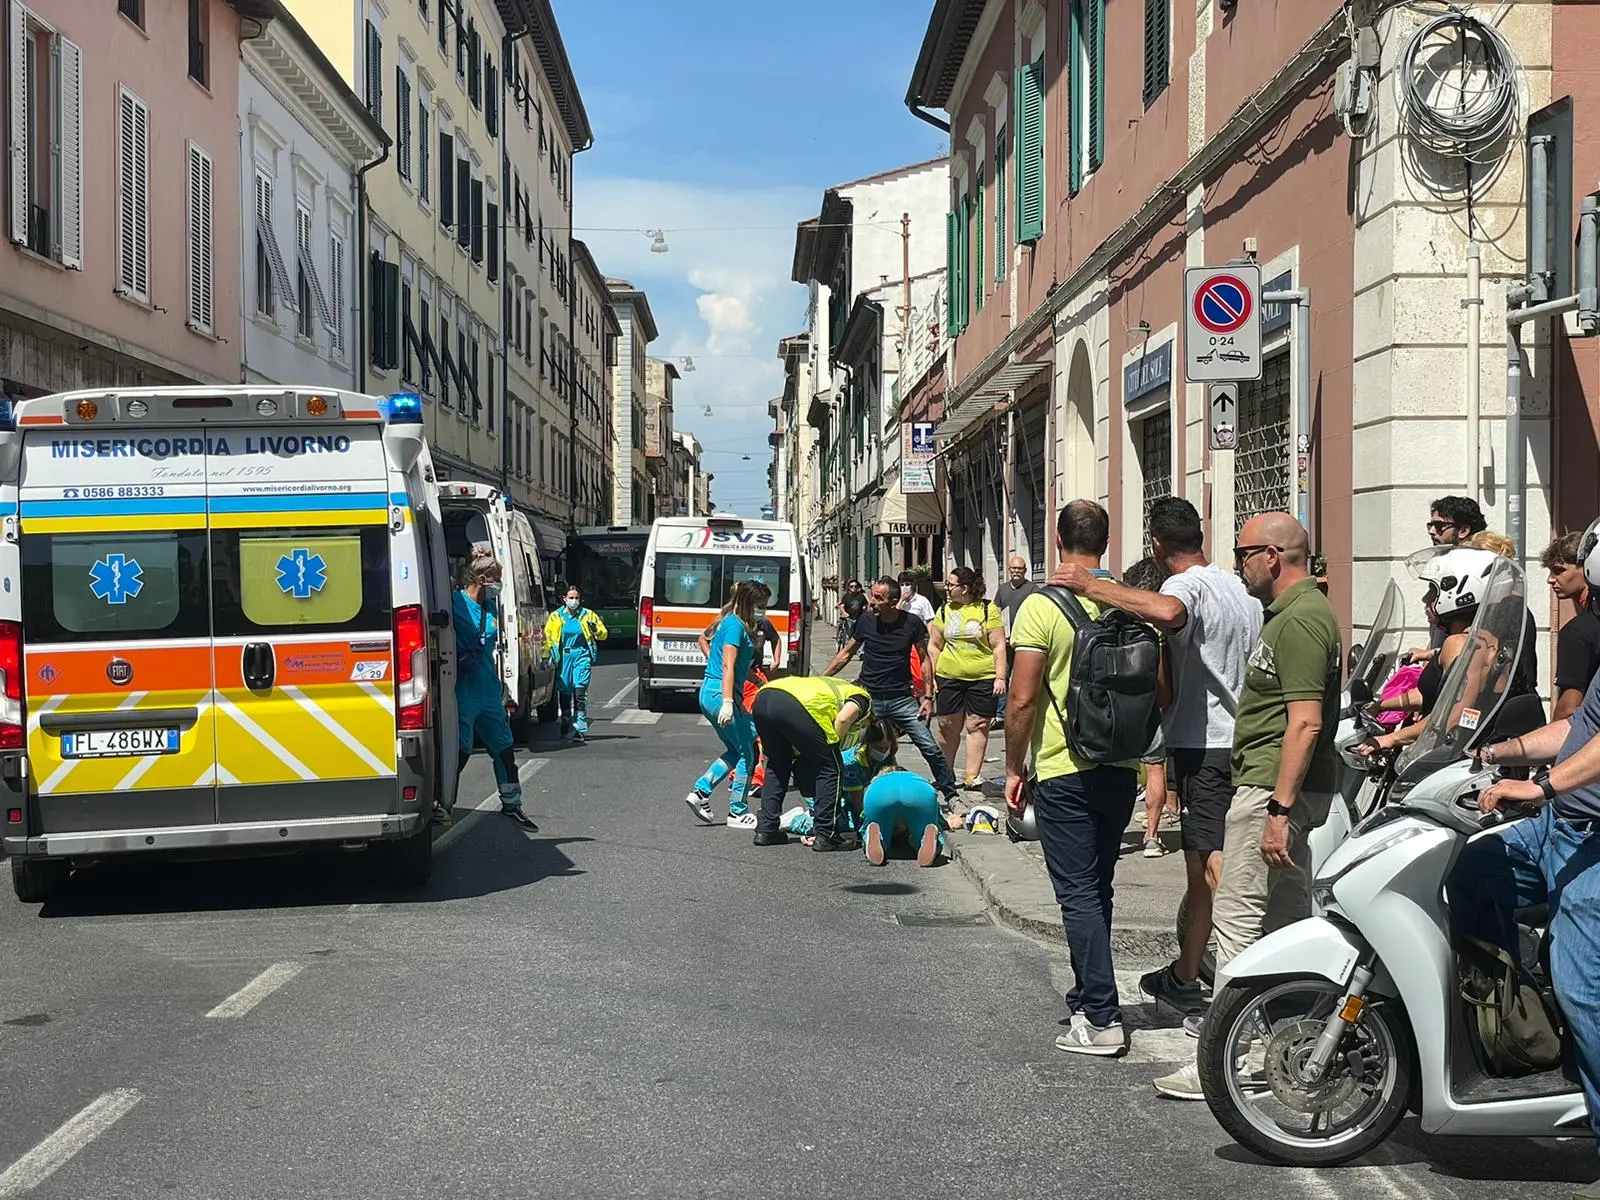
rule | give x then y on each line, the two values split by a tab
827	845
776	838
514	811
1164	987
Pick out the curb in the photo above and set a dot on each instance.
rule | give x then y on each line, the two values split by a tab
1132	940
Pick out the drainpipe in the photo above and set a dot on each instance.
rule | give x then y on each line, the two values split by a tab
362	282
923	114
1474	306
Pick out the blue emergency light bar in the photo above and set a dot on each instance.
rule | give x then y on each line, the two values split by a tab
402	408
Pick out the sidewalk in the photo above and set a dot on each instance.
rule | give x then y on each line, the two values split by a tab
1011	876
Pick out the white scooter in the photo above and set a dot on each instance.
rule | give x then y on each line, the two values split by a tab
1325	1033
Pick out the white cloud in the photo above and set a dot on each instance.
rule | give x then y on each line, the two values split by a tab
721	294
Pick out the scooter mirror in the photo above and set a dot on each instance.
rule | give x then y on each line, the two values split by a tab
1360	691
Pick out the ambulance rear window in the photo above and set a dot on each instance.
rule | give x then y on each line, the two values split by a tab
313	580
688	579
113	585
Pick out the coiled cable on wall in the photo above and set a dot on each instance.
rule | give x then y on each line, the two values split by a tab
1469	106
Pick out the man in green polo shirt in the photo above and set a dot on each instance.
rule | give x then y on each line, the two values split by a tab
1283	759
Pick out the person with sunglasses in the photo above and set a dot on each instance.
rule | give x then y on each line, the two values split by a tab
1283	758
1451	521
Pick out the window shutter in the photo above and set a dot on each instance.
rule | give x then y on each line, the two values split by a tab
336	283
287	296
69	85
491	98
1001	250
133	195
1096	35
981	227
1076	88
950	274
308	264
447	157
20	199
201	267
374	72
463	203
477	220
402	92
492	228
375	310
1157	35
1030	151
963	264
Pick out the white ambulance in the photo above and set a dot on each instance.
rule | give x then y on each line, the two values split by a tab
476	514
690	566
224	627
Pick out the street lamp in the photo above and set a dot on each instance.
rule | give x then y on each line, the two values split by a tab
658	241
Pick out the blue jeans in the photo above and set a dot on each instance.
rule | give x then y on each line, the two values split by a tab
1080	819
1543	859
739	736
902	715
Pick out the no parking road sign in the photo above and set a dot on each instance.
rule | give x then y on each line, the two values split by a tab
1222	323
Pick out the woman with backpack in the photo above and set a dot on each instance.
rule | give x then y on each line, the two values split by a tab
967	651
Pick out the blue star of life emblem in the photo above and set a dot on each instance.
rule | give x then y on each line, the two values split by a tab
687	582
116	579
302	574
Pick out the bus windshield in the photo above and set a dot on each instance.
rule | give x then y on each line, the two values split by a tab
606	565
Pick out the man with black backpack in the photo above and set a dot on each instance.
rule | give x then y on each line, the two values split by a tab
1083	708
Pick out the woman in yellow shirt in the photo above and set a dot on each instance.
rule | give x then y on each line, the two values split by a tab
967	650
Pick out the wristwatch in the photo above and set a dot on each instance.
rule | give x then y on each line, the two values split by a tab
1547	788
1274	809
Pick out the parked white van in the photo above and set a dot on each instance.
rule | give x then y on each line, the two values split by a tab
224	627
476	514
690	565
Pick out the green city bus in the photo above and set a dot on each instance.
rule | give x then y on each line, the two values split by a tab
606	562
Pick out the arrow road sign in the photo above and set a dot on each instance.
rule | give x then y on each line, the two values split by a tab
1224	409
1222	323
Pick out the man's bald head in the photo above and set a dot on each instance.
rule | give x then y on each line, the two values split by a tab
1283	531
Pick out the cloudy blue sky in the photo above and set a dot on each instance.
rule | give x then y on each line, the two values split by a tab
722	122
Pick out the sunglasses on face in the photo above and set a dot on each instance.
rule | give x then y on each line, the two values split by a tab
1440	526
1242	554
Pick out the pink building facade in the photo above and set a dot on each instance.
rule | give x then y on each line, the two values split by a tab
120	265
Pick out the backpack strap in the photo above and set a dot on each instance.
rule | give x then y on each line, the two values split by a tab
1071	607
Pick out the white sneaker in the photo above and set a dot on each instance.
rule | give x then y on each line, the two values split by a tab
744	820
1153	848
702	810
1086	1038
1182	1084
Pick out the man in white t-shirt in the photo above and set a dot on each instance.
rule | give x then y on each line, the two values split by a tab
912	600
1211	623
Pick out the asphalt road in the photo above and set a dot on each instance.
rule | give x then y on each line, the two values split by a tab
623	1004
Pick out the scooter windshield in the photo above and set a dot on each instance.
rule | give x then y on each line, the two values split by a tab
1478	681
1381	651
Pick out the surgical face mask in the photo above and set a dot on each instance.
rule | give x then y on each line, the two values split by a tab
878	757
572	605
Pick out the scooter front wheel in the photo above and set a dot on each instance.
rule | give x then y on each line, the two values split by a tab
1254	1047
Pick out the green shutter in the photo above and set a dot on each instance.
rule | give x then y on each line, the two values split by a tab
1157	48
1001	250
1030	151
1097	83
982	226
1075	90
950	279
963	264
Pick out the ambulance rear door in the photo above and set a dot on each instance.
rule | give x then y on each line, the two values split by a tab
116	628
303	621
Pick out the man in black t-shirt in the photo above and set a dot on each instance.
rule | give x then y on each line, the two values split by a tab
1578	644
851	605
887	636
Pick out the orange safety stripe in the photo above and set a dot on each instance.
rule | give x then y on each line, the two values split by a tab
305	664
696	619
81	670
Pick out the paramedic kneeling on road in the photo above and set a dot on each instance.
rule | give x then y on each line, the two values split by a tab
572	636
479	695
1549	858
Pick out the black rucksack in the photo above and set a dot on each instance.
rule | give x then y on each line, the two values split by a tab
1110	713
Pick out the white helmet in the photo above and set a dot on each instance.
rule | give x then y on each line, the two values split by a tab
1461	577
1589	556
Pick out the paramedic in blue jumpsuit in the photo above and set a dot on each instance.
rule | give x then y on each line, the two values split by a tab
732	650
572	636
479	695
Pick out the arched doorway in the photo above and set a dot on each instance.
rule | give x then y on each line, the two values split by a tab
1076	445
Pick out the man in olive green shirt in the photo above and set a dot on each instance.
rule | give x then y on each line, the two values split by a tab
1283	760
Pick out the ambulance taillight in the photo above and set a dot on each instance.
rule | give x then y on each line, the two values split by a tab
12	708
794	633
647	612
410	668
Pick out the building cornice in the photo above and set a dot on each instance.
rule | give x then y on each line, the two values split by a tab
299	75
951	29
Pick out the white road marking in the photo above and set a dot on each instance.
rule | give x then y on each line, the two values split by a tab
490	803
38	1164
635	716
257	990
617	699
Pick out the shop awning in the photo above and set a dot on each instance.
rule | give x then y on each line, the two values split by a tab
551	537
900	515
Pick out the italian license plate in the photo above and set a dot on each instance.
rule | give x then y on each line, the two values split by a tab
118	743
679	654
